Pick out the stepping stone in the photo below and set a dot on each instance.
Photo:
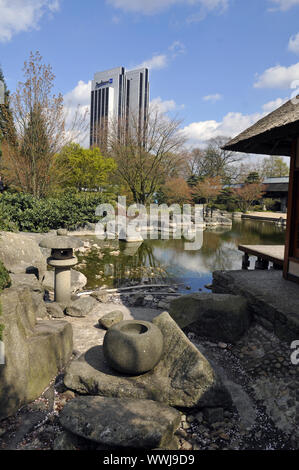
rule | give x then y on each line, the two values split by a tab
111	318
119	422
81	307
182	378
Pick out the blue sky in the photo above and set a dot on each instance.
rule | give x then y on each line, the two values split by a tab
219	64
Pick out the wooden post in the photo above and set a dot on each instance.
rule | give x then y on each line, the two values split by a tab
245	261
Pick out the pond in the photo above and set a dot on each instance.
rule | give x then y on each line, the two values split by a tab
122	264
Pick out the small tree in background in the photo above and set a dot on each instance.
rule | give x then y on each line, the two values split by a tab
39	122
248	195
177	191
253	177
79	168
275	167
208	189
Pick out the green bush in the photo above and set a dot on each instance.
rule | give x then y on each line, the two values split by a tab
69	210
272	204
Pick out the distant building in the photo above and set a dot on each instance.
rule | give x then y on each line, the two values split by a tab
274	188
277	188
115	94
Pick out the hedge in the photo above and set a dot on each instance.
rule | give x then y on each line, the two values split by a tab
24	212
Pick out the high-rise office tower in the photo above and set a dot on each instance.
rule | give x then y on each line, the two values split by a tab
115	95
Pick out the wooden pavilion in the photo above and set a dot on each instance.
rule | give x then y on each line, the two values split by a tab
278	134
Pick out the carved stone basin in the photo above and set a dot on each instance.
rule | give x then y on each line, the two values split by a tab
133	346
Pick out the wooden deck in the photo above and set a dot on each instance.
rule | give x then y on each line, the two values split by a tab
277	217
264	253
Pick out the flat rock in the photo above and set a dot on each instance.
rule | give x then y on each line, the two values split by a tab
69	441
182	378
54	310
111	318
81	307
143	424
220	317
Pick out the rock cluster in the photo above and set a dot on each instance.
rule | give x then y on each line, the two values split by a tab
35	349
182	378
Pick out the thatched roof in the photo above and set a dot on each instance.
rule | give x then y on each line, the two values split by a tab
272	135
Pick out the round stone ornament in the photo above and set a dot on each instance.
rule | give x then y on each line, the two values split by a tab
133	346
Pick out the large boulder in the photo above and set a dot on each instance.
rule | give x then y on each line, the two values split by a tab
35	350
220	317
21	254
31	282
115	422
182	378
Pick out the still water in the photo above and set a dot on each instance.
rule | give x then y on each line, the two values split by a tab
121	264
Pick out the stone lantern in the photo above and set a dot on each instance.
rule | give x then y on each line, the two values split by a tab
62	259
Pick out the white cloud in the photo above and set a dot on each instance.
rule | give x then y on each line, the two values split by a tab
278	77
177	48
17	16
149	7
157	61
78	101
80	95
164	106
205	8
198	133
272	105
294	44
213	98
284	5
160	61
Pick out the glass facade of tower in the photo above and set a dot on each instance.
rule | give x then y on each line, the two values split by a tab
115	94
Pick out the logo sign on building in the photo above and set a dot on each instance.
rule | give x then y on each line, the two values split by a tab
2	91
103	83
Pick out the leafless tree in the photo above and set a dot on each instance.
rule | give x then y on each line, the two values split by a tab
146	151
213	161
39	122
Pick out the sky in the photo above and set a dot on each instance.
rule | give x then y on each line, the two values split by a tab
219	65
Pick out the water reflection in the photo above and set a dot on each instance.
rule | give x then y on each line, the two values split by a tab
154	260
